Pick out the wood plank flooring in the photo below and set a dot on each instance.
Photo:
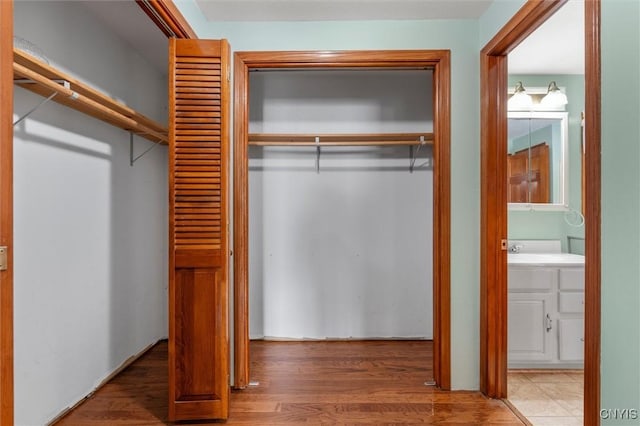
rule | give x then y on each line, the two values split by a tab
331	383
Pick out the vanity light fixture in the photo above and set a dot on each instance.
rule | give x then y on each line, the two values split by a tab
554	98
520	100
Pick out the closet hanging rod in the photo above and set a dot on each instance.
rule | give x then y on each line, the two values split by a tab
371	139
65	83
93	108
83	98
48	71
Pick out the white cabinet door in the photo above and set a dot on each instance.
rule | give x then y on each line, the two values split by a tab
571	339
531	327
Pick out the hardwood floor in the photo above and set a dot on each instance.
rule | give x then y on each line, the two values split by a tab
371	382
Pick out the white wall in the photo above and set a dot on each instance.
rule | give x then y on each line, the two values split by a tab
346	252
90	231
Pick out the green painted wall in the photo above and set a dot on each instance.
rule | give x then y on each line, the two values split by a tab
461	37
498	14
621	207
523	142
621	156
551	224
620	173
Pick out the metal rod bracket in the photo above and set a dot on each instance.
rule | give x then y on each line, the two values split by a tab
411	158
64	83
414	153
35	108
317	155
133	159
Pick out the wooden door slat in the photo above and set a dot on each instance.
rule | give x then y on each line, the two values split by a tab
197	60
211	83
186	108
196	77
185	90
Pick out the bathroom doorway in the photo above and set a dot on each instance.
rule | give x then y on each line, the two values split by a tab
545	224
495	238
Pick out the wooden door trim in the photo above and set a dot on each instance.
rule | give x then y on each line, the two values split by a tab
439	60
167	18
493	285
592	196
6	211
493	216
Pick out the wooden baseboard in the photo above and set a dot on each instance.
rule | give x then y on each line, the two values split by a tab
125	364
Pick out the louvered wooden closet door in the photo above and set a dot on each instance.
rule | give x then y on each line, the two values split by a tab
198	254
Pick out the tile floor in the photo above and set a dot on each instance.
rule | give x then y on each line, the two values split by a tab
547	397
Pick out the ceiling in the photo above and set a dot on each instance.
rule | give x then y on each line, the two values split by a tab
340	10
557	47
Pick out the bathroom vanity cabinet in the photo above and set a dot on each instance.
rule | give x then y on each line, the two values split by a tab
546	311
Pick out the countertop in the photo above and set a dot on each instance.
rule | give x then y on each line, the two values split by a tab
548	259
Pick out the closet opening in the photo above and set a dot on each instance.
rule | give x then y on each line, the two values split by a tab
340	229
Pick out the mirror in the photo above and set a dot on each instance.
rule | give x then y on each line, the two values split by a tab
537	162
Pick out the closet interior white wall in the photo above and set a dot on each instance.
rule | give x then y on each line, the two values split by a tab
90	230
341	245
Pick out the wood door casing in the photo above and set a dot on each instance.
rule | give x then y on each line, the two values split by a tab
493	196
167	17
493	280
440	62
198	224
6	211
592	197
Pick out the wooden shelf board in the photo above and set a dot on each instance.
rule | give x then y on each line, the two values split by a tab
91	99
347	139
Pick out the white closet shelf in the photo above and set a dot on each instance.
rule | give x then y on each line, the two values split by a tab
45	80
334	139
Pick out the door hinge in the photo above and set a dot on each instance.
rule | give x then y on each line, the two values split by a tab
3	258
504	244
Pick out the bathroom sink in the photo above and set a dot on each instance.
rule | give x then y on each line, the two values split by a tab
545	259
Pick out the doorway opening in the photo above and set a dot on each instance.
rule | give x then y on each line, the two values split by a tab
495	295
545	222
438	63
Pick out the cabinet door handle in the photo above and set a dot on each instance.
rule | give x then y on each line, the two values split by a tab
549	323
